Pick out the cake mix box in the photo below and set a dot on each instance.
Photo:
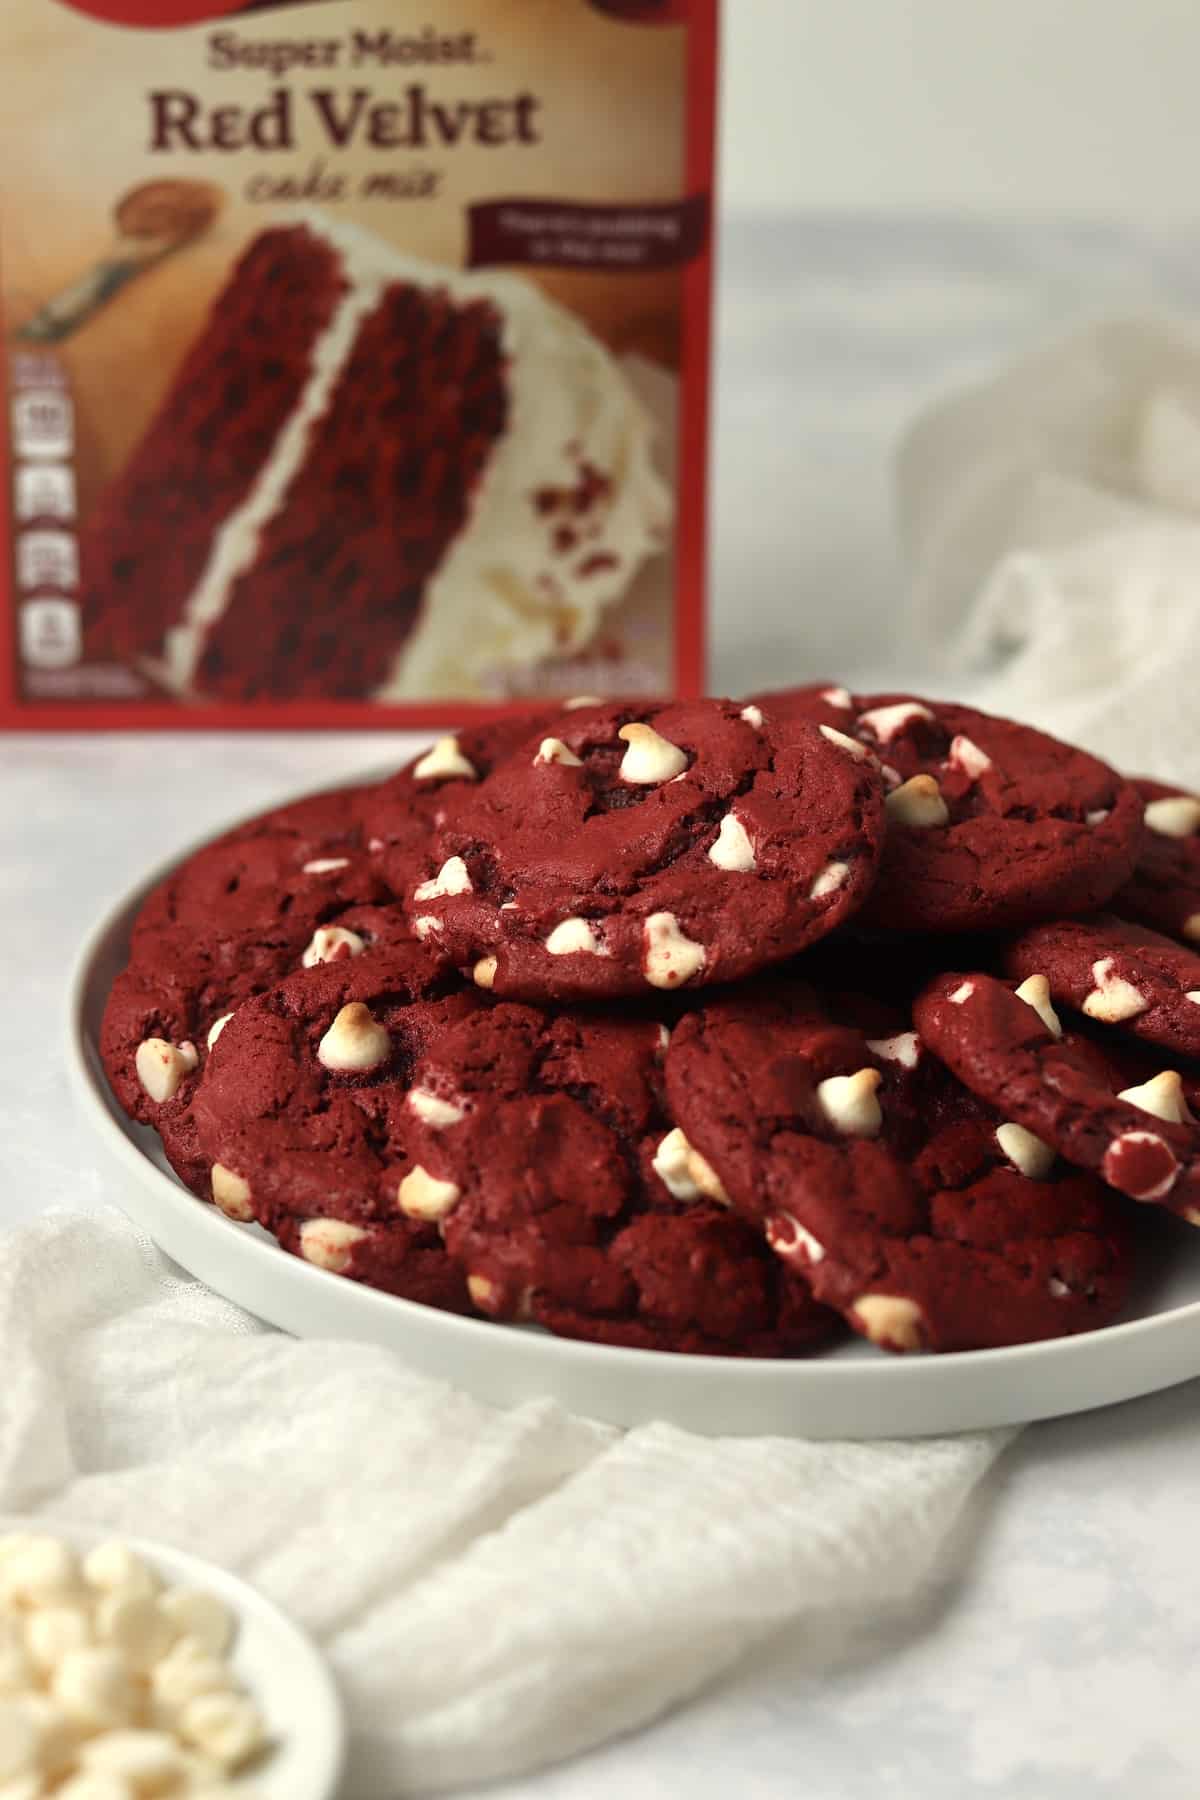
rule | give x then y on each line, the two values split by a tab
356	356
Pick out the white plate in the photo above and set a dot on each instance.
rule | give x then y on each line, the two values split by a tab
277	1665
852	1392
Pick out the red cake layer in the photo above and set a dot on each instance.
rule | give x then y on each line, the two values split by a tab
150	538
385	487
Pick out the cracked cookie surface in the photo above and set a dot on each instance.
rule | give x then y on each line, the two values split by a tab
906	1205
991	824
638	848
1011	1049
1121	976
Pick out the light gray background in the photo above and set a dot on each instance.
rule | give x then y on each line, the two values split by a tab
1059	1656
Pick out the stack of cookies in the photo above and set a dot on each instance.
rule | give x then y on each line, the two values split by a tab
716	1026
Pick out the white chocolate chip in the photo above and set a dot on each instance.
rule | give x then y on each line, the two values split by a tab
95	1688
732	850
1163	1096
452	878
1113	1171
1177	816
904	1048
663	1044
114	1566
753	716
917	803
670	1164
225	1726
231	1194
332	943
1027	1153
375	845
787	1237
961	994
850	1103
484	972
427	926
684	1172
669	956
1035	992
553	750
52	1631
188	1671
216	1028
433	1111
161	1067
39	1571
483	1292
838	697
575	937
889	1320
325	865
23	1740
968	757
1098	817
887	722
444	762
1058	1290
199	1616
327	1243
422	1196
858	751
1113	999
133	1624
581	700
832	877
146	1761
1194	996
16	1669
650	759
355	1042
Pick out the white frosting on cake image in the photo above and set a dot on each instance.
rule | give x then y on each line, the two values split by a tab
505	592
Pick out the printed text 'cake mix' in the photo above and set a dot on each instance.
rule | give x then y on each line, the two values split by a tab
356	356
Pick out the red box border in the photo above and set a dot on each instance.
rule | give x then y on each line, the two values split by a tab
691	568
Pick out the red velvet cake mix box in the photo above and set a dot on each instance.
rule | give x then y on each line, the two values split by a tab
356	356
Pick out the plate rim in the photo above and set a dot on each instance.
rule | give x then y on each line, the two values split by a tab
898	1376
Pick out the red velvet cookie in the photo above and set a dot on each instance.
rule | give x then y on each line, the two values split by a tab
1011	1050
168	1008
527	1142
1118	974
306	860
651	847
540	1149
920	1216
991	824
700	1280
1164	890
399	815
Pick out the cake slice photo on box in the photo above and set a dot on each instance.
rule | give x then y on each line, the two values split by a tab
374	478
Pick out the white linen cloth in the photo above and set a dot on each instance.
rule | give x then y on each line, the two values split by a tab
498	1590
1052	517
494	1590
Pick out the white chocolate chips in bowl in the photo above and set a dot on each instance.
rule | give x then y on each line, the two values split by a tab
117	1678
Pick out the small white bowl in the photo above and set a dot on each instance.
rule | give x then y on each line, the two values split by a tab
279	1667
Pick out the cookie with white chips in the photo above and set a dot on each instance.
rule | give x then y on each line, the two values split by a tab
648	848
1119	975
1164	890
1011	1048
991	824
928	1221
